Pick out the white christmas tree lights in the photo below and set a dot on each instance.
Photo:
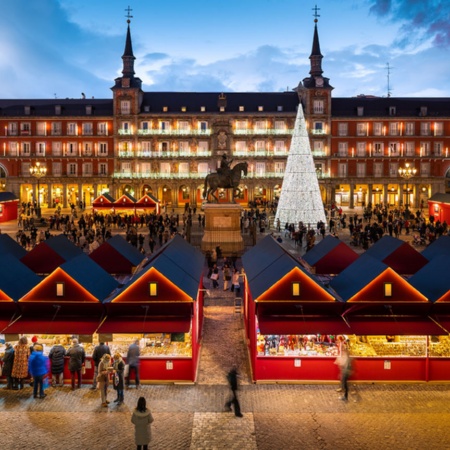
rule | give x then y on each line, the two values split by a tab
300	199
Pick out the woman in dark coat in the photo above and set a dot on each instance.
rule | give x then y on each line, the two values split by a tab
119	368
142	418
56	356
8	360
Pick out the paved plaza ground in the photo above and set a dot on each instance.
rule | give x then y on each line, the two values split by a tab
192	417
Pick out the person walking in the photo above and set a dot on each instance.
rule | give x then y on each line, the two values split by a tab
142	418
56	357
345	365
232	378
77	357
38	365
8	361
226	276
235	284
215	276
119	369
100	350
133	362
20	365
104	369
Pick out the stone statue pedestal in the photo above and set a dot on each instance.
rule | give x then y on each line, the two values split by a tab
223	228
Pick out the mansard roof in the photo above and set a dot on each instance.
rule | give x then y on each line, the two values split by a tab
154	102
347	107
69	107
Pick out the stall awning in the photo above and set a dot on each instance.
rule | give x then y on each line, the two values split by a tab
42	325
138	324
393	326
302	325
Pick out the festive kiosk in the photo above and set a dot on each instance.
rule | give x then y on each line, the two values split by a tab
50	254
388	320
117	256
397	254
330	256
161	307
433	281
148	203
8	206
439	207
292	319
103	202
66	304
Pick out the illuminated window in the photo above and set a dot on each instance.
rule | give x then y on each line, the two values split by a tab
388	289
60	289
153	289
296	289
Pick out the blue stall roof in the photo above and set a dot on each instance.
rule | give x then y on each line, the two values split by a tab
384	247
440	246
9	246
356	276
63	247
16	279
433	280
91	276
127	250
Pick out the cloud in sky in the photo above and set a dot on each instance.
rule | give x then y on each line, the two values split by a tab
65	47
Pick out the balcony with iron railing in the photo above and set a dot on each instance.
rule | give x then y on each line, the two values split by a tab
264	131
161	154
161	132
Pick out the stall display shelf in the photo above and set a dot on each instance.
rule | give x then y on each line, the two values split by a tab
379	346
441	348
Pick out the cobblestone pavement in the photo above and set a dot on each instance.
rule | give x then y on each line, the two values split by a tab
191	417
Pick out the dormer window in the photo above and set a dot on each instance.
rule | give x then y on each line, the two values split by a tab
279	108
183	109
392	110
360	111
423	111
241	109
260	108
27	110
165	108
58	110
202	108
88	110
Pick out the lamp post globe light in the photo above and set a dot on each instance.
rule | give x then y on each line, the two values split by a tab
407	173
37	171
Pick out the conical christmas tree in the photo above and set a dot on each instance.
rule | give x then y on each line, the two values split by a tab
300	199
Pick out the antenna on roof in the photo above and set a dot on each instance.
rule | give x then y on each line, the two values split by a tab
388	70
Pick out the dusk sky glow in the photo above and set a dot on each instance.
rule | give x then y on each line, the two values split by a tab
61	48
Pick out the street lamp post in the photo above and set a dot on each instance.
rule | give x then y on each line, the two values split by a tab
37	171
407	173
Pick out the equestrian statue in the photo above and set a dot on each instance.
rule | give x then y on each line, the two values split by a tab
226	178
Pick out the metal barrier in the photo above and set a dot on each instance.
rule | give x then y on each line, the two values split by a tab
238	305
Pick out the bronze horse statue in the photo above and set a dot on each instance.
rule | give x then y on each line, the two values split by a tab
231	181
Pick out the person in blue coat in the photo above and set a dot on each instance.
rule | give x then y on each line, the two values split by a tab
38	366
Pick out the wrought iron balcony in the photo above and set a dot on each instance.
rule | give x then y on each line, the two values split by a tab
265	131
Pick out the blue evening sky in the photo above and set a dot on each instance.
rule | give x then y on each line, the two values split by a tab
60	48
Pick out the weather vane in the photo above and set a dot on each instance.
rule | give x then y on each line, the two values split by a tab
128	16
316	13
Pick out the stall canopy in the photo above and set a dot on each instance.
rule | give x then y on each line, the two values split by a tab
117	256
50	254
433	280
330	256
160	295
8	206
16	280
371	287
271	271
148	201
125	201
103	201
9	246
397	254
440	246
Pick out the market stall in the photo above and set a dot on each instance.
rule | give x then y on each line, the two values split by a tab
440	246
293	321
117	256
8	206
50	254
9	246
330	256
397	254
66	304
389	322
161	307
103	202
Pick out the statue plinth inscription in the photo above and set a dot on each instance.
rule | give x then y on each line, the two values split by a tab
223	228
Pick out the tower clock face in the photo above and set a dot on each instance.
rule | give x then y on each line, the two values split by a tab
319	81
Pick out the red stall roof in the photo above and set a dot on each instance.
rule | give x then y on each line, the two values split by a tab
140	324
48	325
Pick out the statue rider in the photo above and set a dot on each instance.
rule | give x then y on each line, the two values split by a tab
225	169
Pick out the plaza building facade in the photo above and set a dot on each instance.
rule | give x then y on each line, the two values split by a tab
165	143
